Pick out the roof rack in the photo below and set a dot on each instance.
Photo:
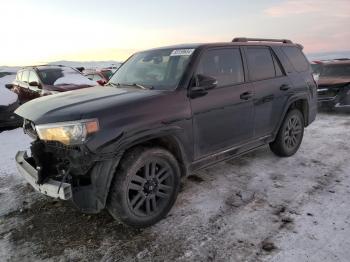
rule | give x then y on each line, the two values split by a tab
246	39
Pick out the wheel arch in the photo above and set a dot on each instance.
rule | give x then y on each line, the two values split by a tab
169	142
297	102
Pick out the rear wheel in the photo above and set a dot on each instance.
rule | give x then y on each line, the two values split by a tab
290	135
145	186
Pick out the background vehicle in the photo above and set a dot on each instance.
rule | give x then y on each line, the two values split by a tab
8	102
101	76
165	113
35	81
334	85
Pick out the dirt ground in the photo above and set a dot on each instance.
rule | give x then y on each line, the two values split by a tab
254	208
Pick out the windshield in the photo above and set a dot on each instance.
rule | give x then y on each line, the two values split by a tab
158	69
62	76
336	70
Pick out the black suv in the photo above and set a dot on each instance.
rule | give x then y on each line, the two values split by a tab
164	114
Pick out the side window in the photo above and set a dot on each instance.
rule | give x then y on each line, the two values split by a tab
260	63
33	77
297	58
19	76
278	69
223	64
25	76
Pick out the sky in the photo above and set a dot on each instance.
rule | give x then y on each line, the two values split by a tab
40	31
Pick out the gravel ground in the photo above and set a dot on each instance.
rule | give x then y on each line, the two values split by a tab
254	208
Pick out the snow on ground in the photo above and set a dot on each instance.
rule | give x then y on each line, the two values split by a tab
254	208
10	143
7	97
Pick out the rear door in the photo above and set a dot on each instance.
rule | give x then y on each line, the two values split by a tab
271	87
223	117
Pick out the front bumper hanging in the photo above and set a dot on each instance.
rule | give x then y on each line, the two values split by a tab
52	188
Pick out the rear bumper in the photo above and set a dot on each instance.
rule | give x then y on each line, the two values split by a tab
51	187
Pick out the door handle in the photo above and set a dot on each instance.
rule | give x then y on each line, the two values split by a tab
246	95
284	87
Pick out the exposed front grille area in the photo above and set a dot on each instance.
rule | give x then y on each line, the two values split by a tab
29	129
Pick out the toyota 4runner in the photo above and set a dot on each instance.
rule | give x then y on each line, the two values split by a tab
164	114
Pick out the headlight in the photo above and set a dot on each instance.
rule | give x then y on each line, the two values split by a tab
68	133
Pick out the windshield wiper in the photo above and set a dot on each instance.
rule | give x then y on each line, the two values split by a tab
111	84
140	86
133	85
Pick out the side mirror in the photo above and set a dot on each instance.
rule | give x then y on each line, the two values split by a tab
9	86
34	83
202	84
206	82
101	82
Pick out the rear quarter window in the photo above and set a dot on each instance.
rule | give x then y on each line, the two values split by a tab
297	58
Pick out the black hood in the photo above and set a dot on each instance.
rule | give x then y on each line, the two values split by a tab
80	104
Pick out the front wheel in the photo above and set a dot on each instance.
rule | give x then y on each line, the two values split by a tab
145	186
290	135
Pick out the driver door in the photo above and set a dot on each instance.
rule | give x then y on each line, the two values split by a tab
223	115
34	91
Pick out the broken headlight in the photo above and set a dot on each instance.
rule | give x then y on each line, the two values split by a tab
68	133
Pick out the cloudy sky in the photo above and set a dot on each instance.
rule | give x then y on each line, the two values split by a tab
38	31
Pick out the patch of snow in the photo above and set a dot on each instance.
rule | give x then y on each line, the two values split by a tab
10	181
7	97
72	77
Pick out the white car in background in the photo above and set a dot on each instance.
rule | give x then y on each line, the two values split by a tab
8	101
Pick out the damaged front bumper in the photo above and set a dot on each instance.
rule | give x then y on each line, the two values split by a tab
337	98
52	188
69	173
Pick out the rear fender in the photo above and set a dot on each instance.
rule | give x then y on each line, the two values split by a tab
290	101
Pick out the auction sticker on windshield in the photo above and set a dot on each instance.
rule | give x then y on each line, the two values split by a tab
182	52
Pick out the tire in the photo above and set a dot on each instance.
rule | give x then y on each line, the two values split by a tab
145	186
290	135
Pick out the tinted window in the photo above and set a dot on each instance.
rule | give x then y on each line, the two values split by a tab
297	58
260	63
25	76
33	77
336	70
223	64
50	75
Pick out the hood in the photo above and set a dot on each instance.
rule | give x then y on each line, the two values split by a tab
80	104
333	81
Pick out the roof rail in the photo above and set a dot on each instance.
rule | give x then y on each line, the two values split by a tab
246	39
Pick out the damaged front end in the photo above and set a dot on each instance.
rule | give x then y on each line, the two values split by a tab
334	96
67	171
